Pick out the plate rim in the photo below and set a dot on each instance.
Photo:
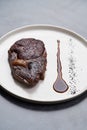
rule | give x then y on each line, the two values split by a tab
42	26
41	102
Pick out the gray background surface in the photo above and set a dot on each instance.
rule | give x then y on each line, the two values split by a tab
18	115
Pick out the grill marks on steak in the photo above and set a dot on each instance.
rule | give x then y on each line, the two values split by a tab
27	58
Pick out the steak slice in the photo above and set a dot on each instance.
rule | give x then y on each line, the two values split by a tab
28	59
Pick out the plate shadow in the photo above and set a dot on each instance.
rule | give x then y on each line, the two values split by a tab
41	107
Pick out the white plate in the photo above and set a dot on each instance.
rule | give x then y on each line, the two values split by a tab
73	52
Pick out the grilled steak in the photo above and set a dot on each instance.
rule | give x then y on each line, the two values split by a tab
28	59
